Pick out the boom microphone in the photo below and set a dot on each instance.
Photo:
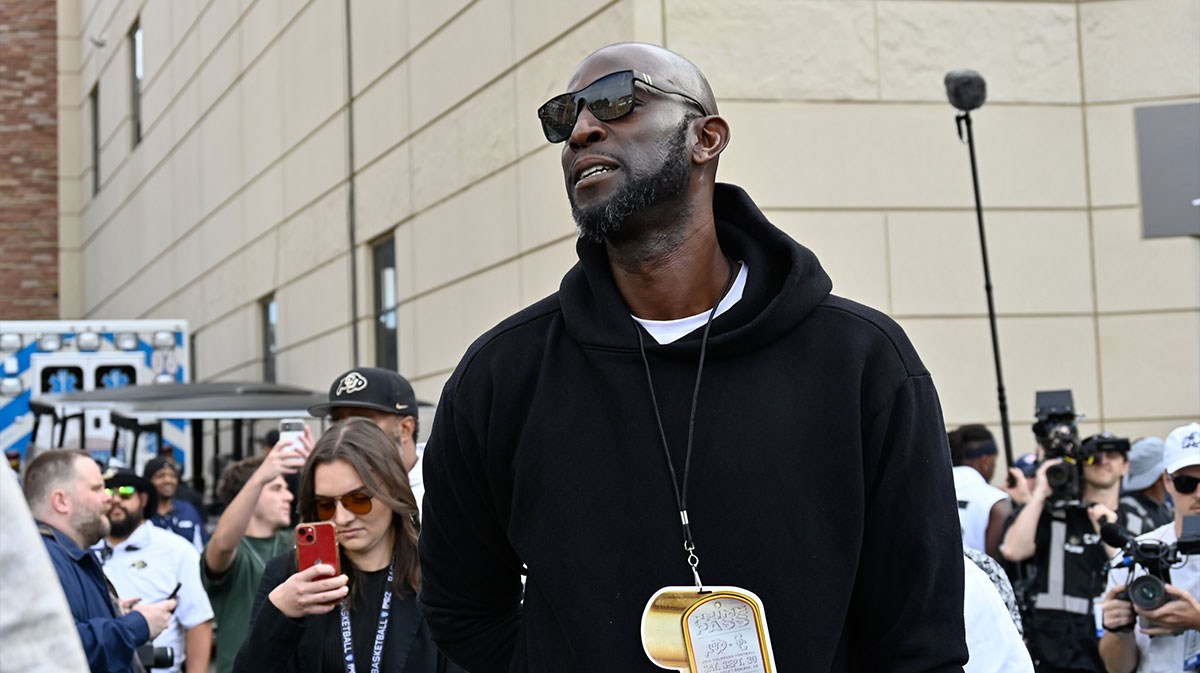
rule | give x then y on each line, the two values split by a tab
1115	536
965	89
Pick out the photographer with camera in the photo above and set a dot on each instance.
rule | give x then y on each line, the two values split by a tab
1154	626
1055	539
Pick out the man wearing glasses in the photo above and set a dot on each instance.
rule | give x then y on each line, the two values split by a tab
145	562
1058	545
1166	638
66	493
692	408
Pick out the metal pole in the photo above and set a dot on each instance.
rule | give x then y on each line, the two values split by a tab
237	440
965	117
198	455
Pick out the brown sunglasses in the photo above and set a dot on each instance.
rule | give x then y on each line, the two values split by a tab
356	502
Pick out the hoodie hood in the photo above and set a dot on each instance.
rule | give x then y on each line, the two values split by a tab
786	282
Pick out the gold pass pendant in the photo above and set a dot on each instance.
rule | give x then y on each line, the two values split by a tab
720	630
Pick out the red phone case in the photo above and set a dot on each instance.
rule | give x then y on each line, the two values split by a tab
317	543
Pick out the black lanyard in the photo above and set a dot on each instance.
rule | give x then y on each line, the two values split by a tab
384	609
689	544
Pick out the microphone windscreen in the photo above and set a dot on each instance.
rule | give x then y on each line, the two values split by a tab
1115	536
965	89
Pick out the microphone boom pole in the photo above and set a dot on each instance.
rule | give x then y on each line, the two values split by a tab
967	91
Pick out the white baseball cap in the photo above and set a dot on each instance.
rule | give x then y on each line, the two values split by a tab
1182	448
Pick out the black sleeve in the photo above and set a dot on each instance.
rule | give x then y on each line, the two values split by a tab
470	575
270	644
907	608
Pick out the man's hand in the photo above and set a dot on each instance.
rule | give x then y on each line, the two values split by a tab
1100	514
309	592
280	461
157	615
1116	612
1041	486
1019	491
1174	616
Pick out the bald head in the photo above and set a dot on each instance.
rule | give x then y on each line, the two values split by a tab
658	62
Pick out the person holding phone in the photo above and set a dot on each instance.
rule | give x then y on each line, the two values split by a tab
312	620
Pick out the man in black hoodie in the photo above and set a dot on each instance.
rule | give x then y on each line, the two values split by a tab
693	392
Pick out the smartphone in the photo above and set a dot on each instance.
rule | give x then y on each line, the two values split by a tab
290	431
317	543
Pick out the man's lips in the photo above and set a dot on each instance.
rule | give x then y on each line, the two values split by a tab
589	168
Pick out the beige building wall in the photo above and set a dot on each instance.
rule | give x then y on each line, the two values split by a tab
841	132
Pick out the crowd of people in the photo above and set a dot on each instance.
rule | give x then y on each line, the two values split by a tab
796	511
1071	575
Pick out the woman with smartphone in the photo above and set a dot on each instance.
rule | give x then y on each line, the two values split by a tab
345	600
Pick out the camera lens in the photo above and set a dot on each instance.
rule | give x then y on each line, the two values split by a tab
1057	475
1148	592
309	538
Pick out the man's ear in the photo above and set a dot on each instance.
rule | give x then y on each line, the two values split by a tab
408	426
60	501
712	137
143	498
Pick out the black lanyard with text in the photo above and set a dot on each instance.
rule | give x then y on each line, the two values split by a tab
384	609
689	544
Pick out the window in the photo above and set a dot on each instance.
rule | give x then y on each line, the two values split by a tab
135	80
384	256
94	102
269	320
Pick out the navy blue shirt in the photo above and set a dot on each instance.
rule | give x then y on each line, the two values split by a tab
109	641
183	520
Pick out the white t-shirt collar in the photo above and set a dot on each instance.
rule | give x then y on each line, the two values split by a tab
668	331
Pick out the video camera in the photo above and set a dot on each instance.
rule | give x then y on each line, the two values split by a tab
1149	592
1056	433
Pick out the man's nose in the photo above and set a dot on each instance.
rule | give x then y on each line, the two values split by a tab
587	129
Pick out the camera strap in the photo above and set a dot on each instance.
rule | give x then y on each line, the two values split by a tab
380	634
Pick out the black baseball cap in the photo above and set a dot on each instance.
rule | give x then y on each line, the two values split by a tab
370	388
123	476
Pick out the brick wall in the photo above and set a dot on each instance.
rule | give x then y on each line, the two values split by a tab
28	161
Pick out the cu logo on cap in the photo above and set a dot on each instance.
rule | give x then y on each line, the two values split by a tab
351	383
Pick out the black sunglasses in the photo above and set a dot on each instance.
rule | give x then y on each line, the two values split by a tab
609	98
1185	484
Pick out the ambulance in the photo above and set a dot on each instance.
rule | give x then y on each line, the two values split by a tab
42	359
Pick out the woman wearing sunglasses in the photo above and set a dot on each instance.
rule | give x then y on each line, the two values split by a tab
315	622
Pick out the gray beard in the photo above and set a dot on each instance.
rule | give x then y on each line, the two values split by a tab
640	193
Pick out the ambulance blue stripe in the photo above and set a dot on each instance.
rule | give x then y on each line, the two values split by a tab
23	357
16	407
21	445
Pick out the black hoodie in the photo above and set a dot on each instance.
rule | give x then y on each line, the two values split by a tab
820	476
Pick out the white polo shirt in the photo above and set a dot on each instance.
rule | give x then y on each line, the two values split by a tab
975	500
148	565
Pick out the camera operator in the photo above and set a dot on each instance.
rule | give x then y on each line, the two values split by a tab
1166	638
1058	546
